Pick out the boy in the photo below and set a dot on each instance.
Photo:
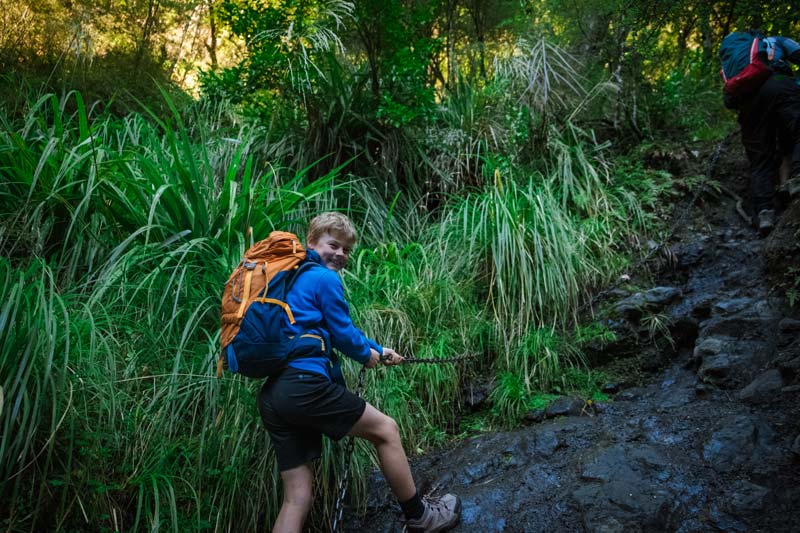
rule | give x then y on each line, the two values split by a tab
307	399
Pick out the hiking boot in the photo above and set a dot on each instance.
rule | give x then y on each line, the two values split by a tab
791	187
766	221
441	513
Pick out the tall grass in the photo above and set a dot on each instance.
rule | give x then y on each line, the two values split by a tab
37	396
111	413
118	234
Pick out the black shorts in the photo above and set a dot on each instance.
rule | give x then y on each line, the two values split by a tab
298	406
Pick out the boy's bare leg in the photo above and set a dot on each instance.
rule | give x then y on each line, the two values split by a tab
382	431
297	496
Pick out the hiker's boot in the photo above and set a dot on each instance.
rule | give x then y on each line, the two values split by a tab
441	513
766	221
792	187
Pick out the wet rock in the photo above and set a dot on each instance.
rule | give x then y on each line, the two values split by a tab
791	389
625	484
702	309
473	472
728	362
631	307
724	522
477	514
781	249
630	394
475	393
746	497
539	476
564	406
703	390
763	388
712	346
547	442
688	254
716	367
659	297
732	307
623	460
796	447
610	388
676	388
608	525
653	299
684	331
791	366
534	416
657	431
789	326
756	321
740	442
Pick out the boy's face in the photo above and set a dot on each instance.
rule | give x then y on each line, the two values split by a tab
333	250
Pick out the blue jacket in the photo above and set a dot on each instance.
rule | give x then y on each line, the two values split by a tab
319	308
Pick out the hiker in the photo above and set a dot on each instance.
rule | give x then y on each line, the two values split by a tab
309	398
769	115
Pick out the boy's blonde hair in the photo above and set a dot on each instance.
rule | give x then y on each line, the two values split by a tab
336	224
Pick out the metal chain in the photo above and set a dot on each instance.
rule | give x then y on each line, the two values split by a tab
456	359
338	511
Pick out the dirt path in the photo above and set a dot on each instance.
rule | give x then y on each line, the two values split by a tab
711	441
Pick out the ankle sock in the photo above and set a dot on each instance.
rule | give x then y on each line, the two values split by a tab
413	508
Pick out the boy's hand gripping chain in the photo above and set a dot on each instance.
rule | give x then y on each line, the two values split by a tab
338	511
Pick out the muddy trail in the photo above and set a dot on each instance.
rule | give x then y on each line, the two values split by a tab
706	439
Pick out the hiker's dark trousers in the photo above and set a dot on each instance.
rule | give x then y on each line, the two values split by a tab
770	123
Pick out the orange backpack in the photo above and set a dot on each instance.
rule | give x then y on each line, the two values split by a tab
262	279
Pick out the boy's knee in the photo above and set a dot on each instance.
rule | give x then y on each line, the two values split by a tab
299	496
389	430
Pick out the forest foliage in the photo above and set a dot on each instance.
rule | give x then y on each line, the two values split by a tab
489	153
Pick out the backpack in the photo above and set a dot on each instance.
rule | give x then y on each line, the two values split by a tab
744	68
254	307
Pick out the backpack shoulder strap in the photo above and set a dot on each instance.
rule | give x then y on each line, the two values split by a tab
754	50
303	267
770	43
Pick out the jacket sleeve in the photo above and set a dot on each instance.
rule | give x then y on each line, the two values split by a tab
345	337
790	48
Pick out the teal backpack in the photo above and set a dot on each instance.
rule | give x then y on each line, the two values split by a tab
744	57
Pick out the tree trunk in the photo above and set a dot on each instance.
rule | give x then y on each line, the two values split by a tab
147	31
478	12
726	28
449	31
212	45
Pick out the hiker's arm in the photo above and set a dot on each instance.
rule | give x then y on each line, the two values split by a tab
790	48
345	337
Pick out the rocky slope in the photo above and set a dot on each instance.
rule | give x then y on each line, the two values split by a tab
709	440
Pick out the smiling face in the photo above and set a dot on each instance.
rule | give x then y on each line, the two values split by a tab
334	250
